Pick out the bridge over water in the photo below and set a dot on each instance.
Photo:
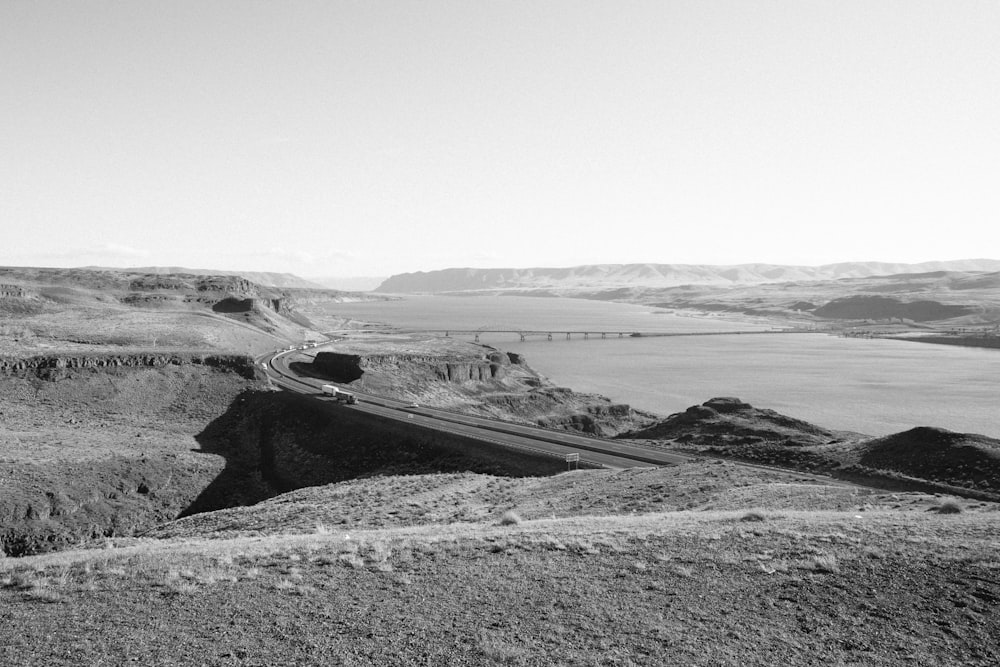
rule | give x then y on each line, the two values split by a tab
586	334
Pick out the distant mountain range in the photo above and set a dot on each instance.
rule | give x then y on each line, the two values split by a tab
349	283
262	278
655	275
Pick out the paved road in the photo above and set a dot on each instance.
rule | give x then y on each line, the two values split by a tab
607	453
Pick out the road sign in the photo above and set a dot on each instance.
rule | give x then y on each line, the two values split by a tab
572	458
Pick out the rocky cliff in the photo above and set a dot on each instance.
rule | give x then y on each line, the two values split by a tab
267	279
349	367
470	378
54	367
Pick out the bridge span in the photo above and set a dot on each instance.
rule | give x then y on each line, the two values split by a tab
587	334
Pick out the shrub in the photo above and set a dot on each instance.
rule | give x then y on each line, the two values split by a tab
44	594
949	507
352	560
823	564
501	649
510	518
683	571
753	516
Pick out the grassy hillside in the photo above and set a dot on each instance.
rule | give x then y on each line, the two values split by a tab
857	578
66	310
923	458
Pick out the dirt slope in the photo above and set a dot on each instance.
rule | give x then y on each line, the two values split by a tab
416	500
923	458
691	588
937	454
95	451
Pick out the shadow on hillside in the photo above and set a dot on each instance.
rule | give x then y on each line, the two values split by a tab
274	442
306	369
241	481
233	305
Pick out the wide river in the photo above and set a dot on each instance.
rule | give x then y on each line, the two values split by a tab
869	386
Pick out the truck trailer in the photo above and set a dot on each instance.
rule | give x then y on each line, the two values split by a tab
339	394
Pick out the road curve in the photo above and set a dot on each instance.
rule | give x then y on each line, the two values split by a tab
596	451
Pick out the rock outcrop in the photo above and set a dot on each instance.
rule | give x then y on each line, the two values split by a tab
730	420
342	367
470	378
921	459
56	367
12	292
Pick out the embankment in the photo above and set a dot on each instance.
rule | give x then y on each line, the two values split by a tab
111	445
55	367
101	445
274	442
469	378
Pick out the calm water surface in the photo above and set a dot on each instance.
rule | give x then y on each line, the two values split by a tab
870	386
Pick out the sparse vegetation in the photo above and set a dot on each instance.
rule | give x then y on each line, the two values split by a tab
701	563
949	507
822	563
516	597
510	518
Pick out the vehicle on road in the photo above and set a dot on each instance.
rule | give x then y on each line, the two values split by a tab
339	394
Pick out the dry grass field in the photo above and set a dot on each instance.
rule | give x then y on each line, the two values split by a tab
882	580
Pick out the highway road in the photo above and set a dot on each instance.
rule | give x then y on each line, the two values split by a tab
597	451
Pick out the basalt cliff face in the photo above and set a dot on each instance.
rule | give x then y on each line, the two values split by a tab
349	367
53	367
470	378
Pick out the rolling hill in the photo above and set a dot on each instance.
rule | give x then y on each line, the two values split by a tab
606	276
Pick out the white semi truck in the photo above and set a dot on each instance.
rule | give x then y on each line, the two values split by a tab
339	394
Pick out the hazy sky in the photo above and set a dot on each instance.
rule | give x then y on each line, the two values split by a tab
374	137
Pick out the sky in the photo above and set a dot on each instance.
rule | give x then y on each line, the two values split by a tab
373	137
